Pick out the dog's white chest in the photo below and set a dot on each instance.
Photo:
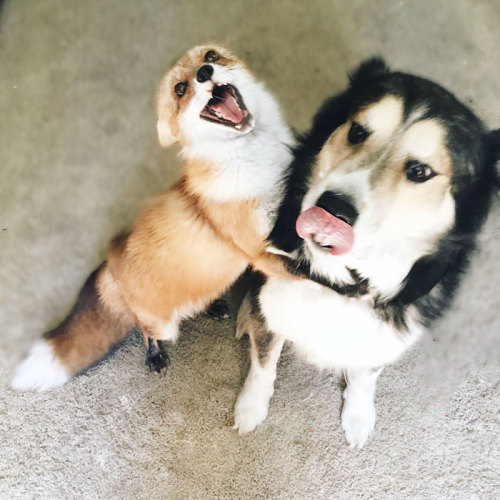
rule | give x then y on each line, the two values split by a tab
329	330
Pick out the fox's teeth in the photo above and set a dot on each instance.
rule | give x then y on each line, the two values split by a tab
238	126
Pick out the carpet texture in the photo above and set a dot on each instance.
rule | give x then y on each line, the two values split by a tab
79	157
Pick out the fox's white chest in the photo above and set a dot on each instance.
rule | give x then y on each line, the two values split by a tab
329	330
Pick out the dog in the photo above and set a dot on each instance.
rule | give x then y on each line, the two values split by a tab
385	197
192	242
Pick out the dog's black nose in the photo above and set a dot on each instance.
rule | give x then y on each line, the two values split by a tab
340	205
205	73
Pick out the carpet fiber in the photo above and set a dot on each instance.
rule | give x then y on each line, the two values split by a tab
79	157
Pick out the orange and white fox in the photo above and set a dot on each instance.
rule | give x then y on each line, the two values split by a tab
192	242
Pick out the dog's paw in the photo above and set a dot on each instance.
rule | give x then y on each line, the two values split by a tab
249	413
358	423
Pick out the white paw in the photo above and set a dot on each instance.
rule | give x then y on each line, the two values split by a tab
249	412
41	370
358	422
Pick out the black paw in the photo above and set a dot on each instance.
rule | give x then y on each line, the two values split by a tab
218	309
158	362
157	357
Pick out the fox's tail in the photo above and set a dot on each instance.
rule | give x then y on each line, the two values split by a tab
99	320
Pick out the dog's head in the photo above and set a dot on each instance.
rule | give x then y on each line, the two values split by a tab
208	95
400	176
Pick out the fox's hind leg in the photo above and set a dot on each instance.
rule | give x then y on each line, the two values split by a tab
156	333
157	357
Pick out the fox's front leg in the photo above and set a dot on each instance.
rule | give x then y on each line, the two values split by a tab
157	357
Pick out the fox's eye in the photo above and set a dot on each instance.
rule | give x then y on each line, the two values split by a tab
211	56
357	133
418	172
180	88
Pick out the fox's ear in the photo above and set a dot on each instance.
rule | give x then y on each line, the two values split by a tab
165	135
164	107
367	70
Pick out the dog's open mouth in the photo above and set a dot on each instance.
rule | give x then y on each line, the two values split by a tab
328	232
226	107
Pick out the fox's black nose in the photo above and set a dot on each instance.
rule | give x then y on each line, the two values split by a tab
205	73
339	205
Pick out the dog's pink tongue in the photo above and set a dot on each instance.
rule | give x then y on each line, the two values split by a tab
229	109
326	230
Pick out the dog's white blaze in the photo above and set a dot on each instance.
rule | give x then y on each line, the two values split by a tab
384	117
354	184
41	370
330	330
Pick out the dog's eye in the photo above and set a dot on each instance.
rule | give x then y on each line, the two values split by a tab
211	56
357	133
180	88
418	172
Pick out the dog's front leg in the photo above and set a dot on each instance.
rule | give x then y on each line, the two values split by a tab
265	349
358	412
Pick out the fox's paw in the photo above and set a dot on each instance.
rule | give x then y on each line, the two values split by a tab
157	357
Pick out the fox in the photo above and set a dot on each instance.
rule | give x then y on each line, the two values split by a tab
189	244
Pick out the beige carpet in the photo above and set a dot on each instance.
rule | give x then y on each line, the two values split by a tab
79	156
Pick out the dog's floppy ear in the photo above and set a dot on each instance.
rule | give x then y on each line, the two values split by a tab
367	70
165	135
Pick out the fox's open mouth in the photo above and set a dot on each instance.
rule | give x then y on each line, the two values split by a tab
226	107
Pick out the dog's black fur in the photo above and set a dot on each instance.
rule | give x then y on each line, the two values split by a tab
475	152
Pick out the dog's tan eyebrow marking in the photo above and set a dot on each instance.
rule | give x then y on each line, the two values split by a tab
424	140
382	117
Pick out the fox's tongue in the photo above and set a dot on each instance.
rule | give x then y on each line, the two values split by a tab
326	230
229	109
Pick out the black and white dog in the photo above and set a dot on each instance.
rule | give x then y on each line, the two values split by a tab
385	197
